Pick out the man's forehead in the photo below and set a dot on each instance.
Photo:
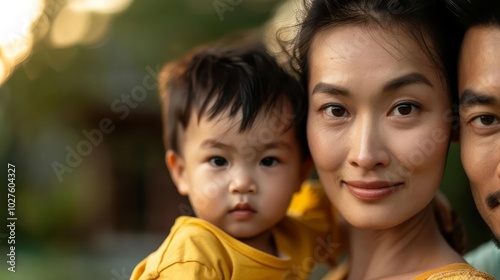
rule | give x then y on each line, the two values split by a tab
477	43
480	60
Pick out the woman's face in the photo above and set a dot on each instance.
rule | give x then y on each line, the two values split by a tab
378	124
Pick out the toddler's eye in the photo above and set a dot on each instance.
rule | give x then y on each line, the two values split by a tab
218	161
335	111
404	109
485	120
269	161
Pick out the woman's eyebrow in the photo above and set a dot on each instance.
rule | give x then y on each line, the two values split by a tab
471	98
330	89
405	80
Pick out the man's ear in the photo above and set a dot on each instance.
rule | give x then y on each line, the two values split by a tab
176	167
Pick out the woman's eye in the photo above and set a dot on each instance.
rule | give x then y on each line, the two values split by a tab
335	111
485	120
404	109
269	161
218	161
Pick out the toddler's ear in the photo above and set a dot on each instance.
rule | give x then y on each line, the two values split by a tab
175	165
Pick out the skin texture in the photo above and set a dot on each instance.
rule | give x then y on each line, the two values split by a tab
220	167
378	129
479	90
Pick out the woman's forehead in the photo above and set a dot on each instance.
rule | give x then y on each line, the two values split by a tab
355	42
359	58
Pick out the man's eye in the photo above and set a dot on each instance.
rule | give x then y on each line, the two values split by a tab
485	120
269	161
218	161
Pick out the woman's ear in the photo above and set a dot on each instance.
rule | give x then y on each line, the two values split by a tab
176	167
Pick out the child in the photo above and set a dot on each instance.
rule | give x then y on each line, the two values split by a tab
235	139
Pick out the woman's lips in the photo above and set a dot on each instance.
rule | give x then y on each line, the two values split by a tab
242	211
372	191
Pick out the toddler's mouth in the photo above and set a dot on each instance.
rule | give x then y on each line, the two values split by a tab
242	207
242	212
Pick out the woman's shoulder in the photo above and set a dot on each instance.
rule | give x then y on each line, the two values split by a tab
455	271
458	271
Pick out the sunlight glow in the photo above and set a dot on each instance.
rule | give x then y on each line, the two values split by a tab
69	27
100	6
24	23
3	73
17	18
17	51
84	21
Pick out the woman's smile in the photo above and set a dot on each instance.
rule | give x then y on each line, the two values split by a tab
372	191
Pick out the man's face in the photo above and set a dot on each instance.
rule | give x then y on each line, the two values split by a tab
479	90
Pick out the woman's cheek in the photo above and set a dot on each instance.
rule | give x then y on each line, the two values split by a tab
422	153
322	142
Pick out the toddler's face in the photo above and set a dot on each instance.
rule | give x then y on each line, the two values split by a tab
242	182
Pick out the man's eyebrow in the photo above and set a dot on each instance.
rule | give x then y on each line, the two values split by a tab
471	98
330	89
405	80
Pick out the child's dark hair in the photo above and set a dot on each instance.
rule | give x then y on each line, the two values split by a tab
235	79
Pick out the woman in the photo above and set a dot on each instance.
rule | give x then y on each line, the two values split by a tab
378	76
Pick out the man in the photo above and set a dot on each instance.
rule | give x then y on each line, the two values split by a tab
479	107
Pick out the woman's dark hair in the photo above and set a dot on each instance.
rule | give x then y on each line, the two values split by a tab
425	21
476	12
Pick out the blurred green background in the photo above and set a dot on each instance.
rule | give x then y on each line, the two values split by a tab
93	211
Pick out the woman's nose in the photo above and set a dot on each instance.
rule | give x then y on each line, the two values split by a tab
368	147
